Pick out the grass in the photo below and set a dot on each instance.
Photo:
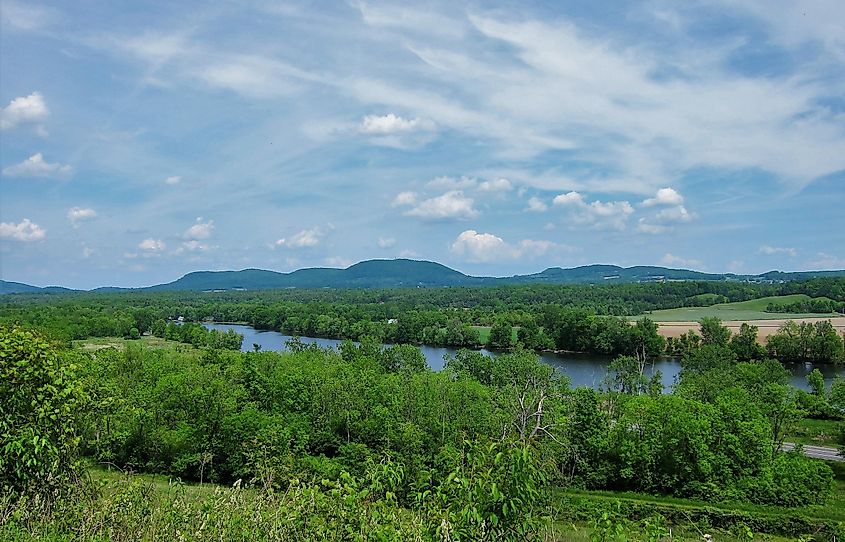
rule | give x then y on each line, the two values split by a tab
754	309
816	432
484	334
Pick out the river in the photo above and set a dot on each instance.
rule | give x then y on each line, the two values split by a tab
582	369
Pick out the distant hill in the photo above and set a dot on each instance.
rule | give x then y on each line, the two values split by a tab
403	273
9	287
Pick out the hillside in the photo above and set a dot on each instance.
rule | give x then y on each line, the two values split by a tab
404	273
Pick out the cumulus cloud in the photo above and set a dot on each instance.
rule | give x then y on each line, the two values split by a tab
570	198
24	110
386	242
498	185
599	214
36	166
452	205
486	247
671	259
536	205
175	179
303	239
25	231
392	124
766	249
404	198
200	230
664	196
673	212
152	245
79	214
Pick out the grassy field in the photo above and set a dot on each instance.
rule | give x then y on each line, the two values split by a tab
484	333
741	310
816	432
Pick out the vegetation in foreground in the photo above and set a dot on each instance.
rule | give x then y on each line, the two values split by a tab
367	443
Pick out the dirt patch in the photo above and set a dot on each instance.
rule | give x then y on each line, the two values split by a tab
766	327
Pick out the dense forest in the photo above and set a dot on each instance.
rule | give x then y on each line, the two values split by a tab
568	318
366	439
367	442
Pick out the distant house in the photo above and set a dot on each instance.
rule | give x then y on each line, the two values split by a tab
392	321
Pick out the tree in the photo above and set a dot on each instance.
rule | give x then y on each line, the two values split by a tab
745	344
648	343
625	375
501	334
816	381
40	398
826	345
713	332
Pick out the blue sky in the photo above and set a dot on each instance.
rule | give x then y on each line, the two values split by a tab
141	141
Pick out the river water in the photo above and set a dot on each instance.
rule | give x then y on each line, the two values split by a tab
582	369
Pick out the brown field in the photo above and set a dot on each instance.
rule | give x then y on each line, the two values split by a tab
766	327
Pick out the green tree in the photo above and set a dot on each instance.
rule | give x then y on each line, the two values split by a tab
713	332
40	397
745	345
816	381
501	334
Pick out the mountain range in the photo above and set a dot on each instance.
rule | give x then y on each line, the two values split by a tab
404	273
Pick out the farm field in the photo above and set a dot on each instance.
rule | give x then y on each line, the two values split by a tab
675	322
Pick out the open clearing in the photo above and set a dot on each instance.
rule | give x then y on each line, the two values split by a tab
766	327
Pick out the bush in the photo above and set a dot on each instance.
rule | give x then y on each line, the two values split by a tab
39	399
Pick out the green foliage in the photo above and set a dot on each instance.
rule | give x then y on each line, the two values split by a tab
40	396
803	342
494	493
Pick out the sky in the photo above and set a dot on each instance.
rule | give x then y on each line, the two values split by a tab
141	141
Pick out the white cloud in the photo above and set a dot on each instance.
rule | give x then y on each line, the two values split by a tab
303	239
536	205
152	245
404	198
664	196
407	253
452	183
570	198
24	110
79	214
200	230
35	166
392	124
485	247
452	205
673	212
766	249
175	179
481	247
671	259
645	227
194	246
827	261
25	231
386	242
25	16
599	214
498	185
